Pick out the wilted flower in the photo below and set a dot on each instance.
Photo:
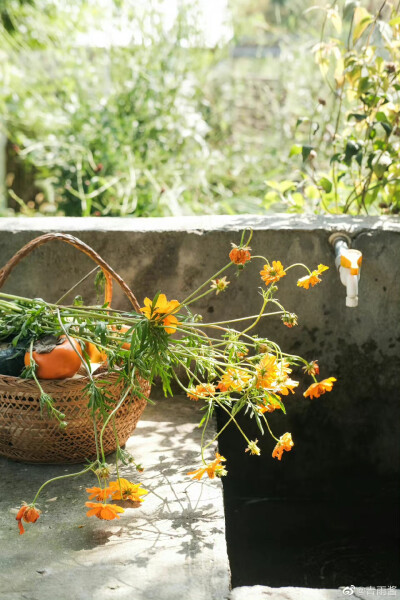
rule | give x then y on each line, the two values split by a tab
27	513
219	285
240	255
213	469
253	448
289	319
285	443
312	368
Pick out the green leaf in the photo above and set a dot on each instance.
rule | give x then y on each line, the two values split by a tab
295	149
387	127
362	18
326	184
381	117
335	19
351	150
302	120
305	151
336	158
282	186
356	116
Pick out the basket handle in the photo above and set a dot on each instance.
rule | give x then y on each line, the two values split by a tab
109	273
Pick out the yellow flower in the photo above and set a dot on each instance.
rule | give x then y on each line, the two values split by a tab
285	443
219	285
275	273
204	389
312	279
267	371
234	380
317	389
162	312
125	490
213	469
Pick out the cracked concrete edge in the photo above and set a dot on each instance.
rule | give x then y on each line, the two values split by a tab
260	592
201	224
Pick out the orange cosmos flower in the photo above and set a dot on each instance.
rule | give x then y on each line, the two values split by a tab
213	469
269	405
108	512
204	389
239	256
275	273
312	279
162	312
128	490
98	493
285	443
27	513
317	389
219	285
234	380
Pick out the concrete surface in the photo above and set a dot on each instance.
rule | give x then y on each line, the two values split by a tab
259	592
173	546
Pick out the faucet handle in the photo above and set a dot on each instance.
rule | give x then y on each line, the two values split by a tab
351	259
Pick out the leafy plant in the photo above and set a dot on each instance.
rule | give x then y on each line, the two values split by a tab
350	161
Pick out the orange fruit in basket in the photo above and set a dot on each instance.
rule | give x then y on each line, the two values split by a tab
123	329
95	355
55	358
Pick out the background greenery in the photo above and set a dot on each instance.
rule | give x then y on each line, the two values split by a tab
298	111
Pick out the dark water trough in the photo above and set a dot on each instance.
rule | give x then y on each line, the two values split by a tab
327	515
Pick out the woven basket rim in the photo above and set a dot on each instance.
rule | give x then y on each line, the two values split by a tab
18	384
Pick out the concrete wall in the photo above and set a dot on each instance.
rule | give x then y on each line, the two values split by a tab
360	346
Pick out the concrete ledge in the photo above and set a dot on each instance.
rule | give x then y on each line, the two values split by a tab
259	592
173	546
201	224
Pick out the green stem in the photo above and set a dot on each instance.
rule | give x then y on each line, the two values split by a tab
89	468
234	420
269	428
122	400
77	284
206	283
259	316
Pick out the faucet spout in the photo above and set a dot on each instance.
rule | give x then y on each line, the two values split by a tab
348	261
351	283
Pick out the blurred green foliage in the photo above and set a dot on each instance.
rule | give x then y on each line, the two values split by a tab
161	124
351	160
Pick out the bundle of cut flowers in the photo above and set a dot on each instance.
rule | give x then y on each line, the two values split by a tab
213	363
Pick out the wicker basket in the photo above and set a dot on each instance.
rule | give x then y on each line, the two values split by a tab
28	436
